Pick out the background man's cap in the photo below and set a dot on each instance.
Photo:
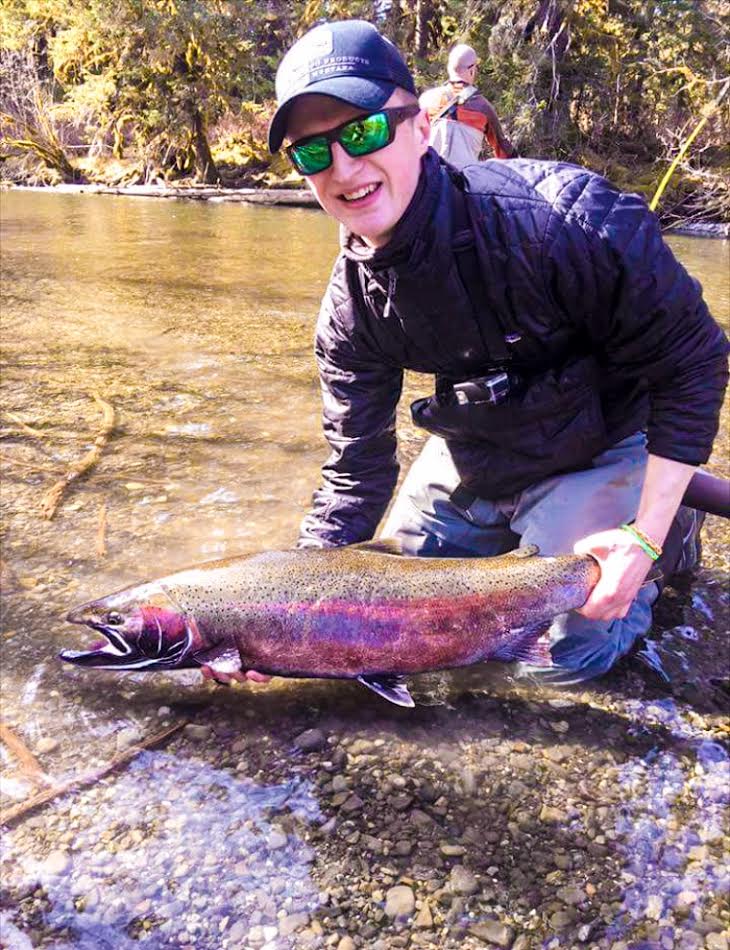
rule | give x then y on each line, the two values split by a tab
348	60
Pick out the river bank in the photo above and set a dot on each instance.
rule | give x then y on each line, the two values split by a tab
288	197
285	197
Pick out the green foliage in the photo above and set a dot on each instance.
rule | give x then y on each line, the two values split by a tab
609	82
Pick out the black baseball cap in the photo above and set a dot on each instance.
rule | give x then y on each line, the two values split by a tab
346	59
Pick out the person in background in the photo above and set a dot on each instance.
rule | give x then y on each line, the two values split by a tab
461	118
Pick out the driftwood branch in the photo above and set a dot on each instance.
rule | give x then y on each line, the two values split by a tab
52	497
30	766
29	466
16	812
24	427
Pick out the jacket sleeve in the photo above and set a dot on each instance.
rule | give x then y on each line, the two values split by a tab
360	393
493	131
609	269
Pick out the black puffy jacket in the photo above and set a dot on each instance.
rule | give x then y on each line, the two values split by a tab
571	262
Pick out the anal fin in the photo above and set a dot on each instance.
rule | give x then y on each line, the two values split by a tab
528	644
390	686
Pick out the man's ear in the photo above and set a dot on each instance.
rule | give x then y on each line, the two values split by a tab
422	130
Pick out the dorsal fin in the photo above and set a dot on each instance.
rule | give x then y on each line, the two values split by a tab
388	685
381	546
527	550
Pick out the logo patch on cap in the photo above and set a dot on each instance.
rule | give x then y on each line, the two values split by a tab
310	48
321	42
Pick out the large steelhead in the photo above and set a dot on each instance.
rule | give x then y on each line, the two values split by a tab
359	612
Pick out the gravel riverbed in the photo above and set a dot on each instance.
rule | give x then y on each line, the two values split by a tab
309	814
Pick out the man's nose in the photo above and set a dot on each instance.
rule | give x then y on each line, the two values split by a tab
343	165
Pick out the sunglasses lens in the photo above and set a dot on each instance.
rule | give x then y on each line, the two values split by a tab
366	135
312	156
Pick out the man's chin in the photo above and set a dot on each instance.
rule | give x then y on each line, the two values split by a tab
373	232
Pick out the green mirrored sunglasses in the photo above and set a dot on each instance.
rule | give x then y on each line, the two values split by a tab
360	136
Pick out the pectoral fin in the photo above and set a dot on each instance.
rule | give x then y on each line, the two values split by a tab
390	686
527	644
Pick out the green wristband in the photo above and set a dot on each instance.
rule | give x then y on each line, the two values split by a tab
654	555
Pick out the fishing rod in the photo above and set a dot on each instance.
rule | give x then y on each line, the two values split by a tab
708	493
714	105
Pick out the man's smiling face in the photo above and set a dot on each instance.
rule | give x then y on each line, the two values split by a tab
368	194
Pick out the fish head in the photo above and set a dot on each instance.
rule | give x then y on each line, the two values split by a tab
144	629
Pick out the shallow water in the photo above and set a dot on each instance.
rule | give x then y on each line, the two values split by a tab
585	820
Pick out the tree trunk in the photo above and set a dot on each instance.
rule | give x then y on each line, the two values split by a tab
205	167
424	12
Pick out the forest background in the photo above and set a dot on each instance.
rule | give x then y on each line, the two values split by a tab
181	91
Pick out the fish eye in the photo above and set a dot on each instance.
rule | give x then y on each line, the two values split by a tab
114	619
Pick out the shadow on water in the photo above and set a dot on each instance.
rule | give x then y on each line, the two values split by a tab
285	816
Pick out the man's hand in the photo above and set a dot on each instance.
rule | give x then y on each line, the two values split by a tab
227	678
624	566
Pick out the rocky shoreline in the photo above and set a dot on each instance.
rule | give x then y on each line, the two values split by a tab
286	197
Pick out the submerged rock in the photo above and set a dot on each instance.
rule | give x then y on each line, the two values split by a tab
400	901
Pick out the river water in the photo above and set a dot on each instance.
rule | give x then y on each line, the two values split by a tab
286	815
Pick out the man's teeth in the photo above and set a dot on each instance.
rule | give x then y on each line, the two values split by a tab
360	193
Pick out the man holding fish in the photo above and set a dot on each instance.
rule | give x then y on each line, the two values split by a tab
579	375
578	383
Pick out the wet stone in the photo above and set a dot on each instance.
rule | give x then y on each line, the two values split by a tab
462	881
561	919
360	746
292	923
275	840
57	862
128	737
684	902
493	932
311	740
557	753
372	843
400	802
197	733
424	918
654	907
354	803
46	745
571	895
400	901
452	850
551	815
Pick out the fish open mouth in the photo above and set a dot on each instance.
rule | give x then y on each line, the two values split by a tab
113	651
